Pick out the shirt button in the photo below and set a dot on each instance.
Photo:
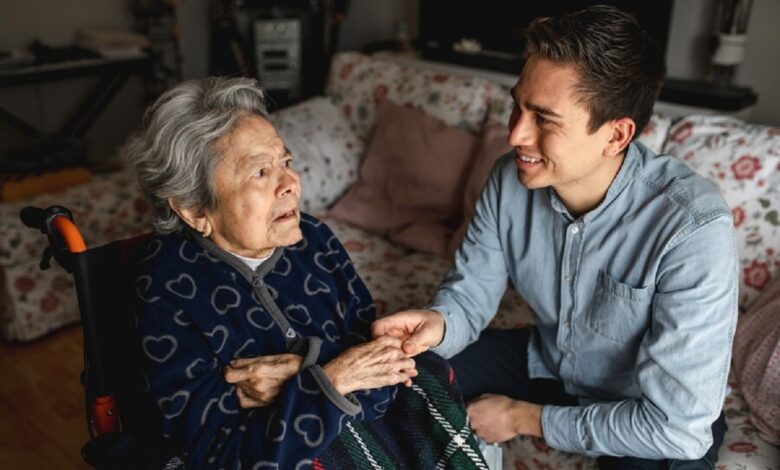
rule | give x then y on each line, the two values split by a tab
575	229
568	355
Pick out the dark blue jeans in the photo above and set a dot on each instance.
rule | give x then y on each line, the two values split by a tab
498	363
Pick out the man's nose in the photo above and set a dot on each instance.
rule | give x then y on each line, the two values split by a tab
522	132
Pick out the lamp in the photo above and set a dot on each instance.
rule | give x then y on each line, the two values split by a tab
732	39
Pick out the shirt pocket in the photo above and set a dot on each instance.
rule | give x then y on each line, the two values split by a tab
620	312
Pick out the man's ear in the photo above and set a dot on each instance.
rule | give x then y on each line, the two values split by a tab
198	220
623	130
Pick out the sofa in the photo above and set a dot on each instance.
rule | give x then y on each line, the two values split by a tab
329	136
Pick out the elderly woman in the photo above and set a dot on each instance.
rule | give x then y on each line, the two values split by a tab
254	325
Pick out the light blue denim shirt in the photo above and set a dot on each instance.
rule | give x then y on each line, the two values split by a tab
635	303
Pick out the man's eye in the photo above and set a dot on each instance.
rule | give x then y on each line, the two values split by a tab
541	119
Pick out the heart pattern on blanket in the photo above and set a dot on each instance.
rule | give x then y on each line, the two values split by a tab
159	349
183	286
173	406
224	298
311	428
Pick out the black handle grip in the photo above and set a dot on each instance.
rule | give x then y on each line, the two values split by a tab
34	217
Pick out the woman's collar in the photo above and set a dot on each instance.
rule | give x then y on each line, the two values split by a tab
232	259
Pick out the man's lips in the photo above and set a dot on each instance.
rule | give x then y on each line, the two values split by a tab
526	162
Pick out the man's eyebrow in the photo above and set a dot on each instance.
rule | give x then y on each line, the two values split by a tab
536	107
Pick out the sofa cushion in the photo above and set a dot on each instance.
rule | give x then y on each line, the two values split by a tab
743	160
34	302
757	361
357	83
326	150
492	144
410	184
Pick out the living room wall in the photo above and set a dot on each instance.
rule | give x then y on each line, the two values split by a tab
54	23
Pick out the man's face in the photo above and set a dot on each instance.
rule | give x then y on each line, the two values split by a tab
549	130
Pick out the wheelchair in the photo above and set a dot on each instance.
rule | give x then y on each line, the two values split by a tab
123	423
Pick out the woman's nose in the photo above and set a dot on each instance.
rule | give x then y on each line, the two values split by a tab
288	182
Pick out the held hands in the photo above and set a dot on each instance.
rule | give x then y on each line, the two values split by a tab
375	364
259	379
496	418
419	330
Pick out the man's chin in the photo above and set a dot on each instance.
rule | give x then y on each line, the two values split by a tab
529	182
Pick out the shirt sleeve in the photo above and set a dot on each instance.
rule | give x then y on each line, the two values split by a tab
682	364
468	297
200	411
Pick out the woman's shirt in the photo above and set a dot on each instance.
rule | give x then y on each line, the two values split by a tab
199	307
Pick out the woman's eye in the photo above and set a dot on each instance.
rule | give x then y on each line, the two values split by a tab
288	163
260	173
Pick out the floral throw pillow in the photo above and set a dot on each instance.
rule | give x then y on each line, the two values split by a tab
743	160
326	150
358	83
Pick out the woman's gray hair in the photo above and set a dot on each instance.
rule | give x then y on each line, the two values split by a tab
174	154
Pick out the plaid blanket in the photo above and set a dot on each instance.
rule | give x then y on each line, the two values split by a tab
426	427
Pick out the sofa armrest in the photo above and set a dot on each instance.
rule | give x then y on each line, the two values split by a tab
109	207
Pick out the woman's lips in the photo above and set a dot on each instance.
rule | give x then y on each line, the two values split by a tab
291	214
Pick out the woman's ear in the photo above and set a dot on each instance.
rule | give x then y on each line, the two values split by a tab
623	130
198	220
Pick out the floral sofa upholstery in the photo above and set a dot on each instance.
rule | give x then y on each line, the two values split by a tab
328	136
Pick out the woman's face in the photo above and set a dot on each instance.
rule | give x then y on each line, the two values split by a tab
258	192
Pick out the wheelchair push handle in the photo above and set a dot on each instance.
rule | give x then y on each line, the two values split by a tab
34	217
56	222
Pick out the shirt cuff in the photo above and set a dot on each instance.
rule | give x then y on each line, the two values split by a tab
349	406
450	344
561	429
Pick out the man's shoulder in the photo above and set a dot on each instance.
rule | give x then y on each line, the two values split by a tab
671	178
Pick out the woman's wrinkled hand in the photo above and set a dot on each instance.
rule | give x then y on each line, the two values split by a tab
258	380
375	364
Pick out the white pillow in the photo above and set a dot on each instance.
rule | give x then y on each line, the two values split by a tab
326	151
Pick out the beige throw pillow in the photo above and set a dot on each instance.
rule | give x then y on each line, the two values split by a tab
410	187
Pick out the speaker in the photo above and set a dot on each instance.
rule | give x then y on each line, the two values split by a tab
277	43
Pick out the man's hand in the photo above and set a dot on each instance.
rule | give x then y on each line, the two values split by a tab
419	330
259	379
496	418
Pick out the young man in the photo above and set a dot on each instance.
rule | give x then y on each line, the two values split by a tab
627	259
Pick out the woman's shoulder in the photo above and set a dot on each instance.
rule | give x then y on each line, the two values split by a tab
315	232
171	252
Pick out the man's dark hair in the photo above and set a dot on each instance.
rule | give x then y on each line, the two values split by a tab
619	65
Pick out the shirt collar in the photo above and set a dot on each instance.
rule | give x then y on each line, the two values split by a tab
628	169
